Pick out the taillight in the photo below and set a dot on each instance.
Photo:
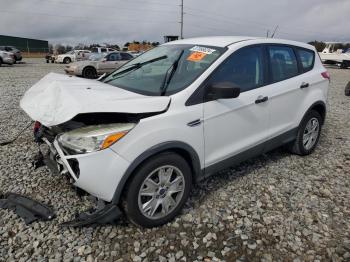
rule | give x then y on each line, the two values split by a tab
326	75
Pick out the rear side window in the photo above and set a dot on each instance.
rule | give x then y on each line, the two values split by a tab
244	68
126	56
283	63
307	58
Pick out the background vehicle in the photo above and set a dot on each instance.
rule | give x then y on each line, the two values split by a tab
334	56
50	58
100	50
178	114
14	50
98	64
7	58
72	56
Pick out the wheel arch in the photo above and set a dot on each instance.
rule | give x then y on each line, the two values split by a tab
181	148
87	67
319	107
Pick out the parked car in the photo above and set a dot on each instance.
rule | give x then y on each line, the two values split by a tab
14	50
140	137
98	64
7	58
100	50
333	56
50	58
72	56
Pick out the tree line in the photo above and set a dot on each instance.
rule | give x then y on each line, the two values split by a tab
61	49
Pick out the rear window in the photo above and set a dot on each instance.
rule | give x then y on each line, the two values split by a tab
307	58
284	64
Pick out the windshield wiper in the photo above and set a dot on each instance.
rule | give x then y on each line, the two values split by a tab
167	79
136	66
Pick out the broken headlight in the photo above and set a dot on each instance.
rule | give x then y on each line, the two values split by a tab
94	138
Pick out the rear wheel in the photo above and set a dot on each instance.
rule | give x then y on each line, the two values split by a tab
308	134
89	72
0	61
67	60
158	190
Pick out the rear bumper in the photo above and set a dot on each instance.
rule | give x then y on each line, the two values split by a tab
97	173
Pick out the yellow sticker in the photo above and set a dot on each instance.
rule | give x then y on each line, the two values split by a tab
196	56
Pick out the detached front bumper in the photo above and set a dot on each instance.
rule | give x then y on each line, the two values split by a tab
97	173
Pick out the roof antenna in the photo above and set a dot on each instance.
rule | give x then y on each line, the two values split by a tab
273	34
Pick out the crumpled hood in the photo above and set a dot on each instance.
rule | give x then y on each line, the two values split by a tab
57	98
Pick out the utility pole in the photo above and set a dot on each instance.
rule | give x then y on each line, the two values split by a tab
182	20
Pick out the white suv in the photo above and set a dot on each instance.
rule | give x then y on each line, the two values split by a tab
143	135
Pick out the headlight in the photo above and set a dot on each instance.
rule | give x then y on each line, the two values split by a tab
94	138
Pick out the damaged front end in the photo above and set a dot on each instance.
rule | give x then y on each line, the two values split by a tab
80	150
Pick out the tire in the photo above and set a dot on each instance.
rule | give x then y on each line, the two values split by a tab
0	61
151	170
66	60
347	89
89	72
47	61
300	146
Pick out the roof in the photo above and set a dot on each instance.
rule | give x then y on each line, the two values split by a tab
220	41
223	41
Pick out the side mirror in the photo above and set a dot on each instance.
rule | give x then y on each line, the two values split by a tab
223	90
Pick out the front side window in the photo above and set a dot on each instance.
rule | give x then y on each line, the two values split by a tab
113	57
126	56
283	63
244	69
164	70
307	58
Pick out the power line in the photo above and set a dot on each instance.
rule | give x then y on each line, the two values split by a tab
104	19
107	6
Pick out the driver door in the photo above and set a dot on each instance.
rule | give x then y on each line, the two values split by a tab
235	128
110	63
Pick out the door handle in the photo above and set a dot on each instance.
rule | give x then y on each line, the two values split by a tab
261	99
304	85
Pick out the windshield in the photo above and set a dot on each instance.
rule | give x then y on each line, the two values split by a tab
149	71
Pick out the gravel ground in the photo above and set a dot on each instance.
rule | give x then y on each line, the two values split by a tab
277	207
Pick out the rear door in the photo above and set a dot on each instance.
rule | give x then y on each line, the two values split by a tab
287	91
233	126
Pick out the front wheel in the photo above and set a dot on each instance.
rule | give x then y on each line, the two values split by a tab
89	72
308	134
67	60
158	190
347	89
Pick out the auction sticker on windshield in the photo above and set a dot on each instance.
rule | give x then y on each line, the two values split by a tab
196	56
202	49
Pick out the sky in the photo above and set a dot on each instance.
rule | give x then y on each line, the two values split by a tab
120	21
